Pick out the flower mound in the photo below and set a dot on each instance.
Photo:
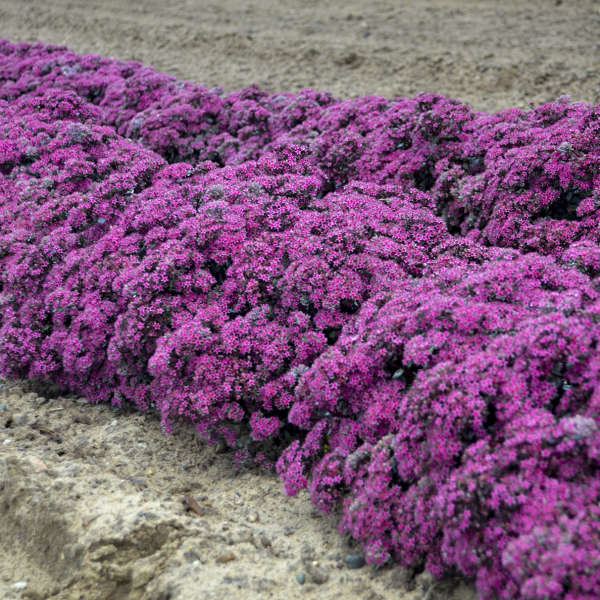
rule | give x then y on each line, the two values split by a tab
395	303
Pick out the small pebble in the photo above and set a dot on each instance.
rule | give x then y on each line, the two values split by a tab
7	442
354	561
3	407
19	585
301	578
225	558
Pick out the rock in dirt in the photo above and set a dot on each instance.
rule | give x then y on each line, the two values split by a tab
355	561
19	586
225	558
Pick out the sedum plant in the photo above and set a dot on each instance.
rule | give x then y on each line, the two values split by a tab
393	303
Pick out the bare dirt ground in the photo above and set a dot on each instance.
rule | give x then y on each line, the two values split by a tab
490	54
95	503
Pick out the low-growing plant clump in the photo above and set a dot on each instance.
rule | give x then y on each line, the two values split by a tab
394	303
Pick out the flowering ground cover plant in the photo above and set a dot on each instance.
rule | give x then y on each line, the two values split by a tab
395	303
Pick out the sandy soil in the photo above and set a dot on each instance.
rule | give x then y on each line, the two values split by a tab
490	54
97	503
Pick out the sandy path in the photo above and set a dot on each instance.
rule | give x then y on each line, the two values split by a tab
92	501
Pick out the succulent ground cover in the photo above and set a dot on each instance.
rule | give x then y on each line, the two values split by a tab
394	303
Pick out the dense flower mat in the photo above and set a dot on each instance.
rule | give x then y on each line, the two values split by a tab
396	302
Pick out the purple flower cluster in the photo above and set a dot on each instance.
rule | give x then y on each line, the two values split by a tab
395	303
